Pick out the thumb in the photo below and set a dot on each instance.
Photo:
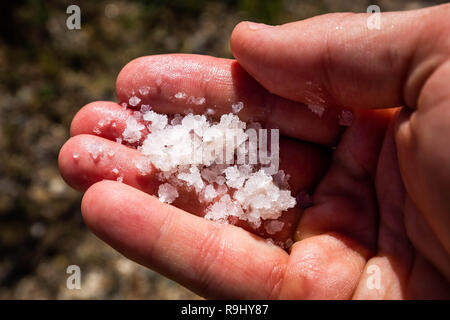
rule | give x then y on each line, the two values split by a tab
336	59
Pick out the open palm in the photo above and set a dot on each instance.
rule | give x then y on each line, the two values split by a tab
379	222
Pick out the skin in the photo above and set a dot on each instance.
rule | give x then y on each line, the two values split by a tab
381	198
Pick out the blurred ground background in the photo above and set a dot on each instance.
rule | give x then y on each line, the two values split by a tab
47	73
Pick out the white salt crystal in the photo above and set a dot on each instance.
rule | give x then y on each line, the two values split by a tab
124	105
237	107
192	178
208	194
115	171
144	90
134	101
144	165
75	155
317	109
167	193
196	100
234	178
110	153
346	118
158	121
119	140
119	179
180	95
262	198
224	208
273	226
132	132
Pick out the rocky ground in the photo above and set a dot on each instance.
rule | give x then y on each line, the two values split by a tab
46	74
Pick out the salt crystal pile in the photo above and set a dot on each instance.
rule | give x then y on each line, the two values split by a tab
187	152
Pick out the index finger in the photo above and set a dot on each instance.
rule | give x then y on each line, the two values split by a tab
179	83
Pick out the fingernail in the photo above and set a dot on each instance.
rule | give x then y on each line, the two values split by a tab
256	26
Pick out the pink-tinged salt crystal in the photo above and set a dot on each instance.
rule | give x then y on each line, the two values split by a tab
237	107
134	101
119	179
167	193
95	150
281	179
176	119
220	180
137	115
145	108
124	105
110	153
346	118
115	171
317	109
222	189
180	95
273	226
144	91
196	100
119	140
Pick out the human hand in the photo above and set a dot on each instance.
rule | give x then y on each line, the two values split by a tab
371	212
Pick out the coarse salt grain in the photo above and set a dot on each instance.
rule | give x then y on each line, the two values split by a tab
237	107
167	193
134	101
144	90
317	109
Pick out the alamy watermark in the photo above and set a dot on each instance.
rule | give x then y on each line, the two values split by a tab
73	22
73	282
374	20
